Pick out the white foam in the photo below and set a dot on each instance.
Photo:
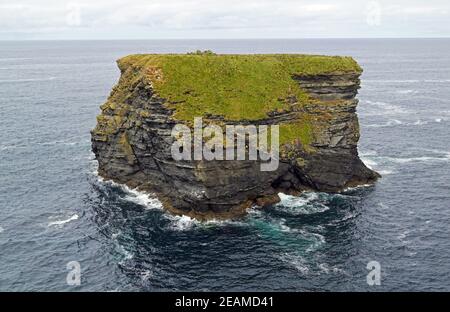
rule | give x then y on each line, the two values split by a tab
393	81
383	108
254	211
317	240
348	215
368	153
306	203
127	255
147	200
62	142
417	159
3	59
383	205
1	229
182	223
419	123
141	198
280	224
369	162
408	80
296	261
11	147
290	200
390	123
326	268
436	151
62	222
146	274
27	79
407	91
16	146
352	188
403	235
437	80
215	222
440	156
178	223
385	172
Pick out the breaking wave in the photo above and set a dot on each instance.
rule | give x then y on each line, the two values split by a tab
141	198
27	80
306	203
390	123
296	261
64	221
396	122
6	59
407	80
305	267
126	255
369	162
407	91
367	153
382	108
326	268
405	160
144	199
181	223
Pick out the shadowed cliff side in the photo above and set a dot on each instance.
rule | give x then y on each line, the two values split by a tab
311	98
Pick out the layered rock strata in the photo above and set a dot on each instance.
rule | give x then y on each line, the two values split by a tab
318	134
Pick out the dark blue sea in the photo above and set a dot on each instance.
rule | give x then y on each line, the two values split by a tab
54	208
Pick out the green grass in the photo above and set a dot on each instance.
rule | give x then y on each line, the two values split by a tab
233	86
300	130
237	87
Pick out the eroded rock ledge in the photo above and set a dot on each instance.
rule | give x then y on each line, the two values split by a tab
313	102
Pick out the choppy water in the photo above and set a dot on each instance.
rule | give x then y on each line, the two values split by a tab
54	209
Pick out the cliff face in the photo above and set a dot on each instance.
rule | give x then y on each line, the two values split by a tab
312	99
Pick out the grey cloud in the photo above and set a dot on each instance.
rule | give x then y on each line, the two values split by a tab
103	19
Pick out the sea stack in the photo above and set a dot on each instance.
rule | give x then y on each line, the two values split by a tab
311	98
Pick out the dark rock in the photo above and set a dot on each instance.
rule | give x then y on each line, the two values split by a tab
132	146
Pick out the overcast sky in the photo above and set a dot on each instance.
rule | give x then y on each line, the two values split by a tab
159	19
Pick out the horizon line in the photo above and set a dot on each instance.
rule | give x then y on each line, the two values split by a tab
250	38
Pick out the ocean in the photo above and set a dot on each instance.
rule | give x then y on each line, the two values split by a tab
55	209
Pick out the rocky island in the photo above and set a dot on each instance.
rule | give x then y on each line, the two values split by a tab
311	98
